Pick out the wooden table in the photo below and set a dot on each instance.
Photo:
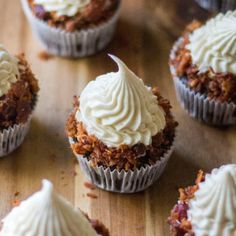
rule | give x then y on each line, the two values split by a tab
146	32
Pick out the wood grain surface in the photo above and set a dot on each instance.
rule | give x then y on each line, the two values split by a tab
146	32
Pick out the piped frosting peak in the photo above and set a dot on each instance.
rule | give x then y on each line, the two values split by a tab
213	210
119	109
46	214
214	44
8	70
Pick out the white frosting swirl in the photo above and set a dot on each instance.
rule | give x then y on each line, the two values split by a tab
46	214
8	70
63	7
213	209
119	109
214	45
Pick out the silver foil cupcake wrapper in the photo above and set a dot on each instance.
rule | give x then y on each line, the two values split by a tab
217	5
198	105
203	109
124	181
76	44
12	138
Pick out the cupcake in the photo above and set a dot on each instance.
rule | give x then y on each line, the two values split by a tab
208	208
74	28
121	131
18	95
217	5
46	213
203	65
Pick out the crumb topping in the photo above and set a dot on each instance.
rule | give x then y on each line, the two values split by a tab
96	12
99	228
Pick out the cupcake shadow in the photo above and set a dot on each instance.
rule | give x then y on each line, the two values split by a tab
162	196
121	44
162	13
177	174
44	154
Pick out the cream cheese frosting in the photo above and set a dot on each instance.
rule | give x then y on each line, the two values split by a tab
46	214
214	44
212	212
63	7
119	109
8	70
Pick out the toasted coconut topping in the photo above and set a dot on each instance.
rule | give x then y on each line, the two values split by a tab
123	157
178	219
94	13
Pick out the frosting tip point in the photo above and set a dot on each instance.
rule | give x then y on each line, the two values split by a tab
47	184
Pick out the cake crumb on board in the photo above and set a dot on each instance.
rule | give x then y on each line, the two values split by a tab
15	203
89	185
92	195
44	56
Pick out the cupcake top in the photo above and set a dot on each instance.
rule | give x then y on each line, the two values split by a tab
73	15
119	109
8	70
45	213
214	44
63	7
212	211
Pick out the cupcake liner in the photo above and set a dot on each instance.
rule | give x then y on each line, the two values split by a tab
198	105
124	181
12	138
72	44
217	5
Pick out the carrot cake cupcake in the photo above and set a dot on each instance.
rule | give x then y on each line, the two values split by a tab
121	131
46	213
208	207
203	65
18	95
74	28
217	5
